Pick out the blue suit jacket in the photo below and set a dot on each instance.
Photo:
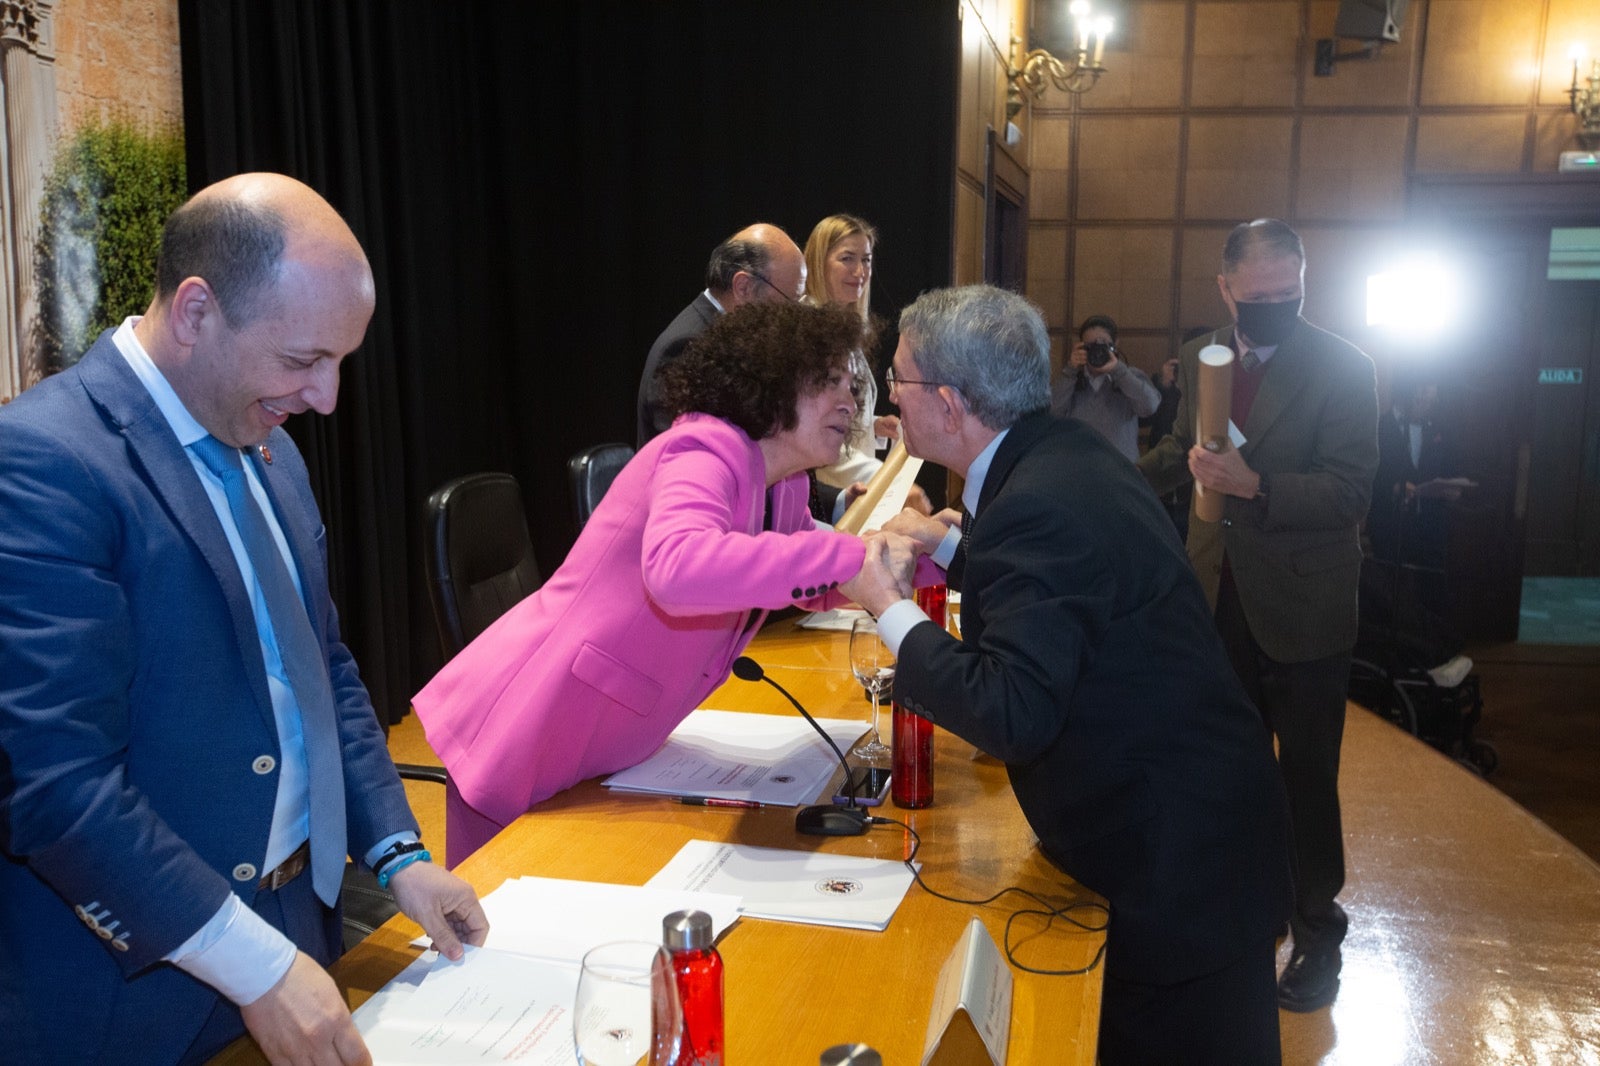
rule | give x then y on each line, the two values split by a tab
135	715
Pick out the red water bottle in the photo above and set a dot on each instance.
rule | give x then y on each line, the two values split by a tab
698	968
912	783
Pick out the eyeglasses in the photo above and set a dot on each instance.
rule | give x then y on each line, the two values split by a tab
891	380
768	283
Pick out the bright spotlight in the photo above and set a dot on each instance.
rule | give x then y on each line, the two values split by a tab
1420	297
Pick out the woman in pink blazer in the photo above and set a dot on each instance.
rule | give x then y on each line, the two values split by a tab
702	533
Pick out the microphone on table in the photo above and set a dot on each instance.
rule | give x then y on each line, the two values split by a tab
822	819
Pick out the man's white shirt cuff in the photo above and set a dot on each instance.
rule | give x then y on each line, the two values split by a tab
897	620
237	952
946	550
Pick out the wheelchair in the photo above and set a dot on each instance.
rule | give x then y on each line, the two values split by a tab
1389	672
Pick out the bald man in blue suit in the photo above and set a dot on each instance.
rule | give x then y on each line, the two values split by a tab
169	878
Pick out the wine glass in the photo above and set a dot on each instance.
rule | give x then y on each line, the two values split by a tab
627	1011
873	664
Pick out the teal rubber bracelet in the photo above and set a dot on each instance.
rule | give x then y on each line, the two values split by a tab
400	864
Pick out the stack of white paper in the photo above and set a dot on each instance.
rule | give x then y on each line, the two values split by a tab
765	758
494	1006
558	919
512	998
792	886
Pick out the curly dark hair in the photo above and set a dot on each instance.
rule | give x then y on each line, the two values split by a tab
757	361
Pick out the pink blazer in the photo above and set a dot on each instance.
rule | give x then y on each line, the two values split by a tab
662	591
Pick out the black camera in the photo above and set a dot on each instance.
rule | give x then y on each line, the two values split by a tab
1099	352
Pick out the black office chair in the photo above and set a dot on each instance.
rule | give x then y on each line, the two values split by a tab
480	556
591	473
480	564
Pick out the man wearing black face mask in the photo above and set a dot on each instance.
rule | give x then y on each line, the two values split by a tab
1282	566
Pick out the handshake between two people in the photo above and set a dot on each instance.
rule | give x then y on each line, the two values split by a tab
891	560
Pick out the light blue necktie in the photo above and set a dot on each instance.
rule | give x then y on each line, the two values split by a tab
305	663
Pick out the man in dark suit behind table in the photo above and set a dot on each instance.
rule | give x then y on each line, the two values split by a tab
1089	664
760	263
187	753
1282	567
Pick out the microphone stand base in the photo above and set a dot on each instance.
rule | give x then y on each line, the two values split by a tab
823	820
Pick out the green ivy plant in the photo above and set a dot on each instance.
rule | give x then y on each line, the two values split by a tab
109	191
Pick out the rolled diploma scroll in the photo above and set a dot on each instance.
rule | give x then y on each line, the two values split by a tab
1213	411
856	515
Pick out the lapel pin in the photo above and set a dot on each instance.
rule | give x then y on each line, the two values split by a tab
266	454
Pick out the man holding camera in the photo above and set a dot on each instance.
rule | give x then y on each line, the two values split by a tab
1097	387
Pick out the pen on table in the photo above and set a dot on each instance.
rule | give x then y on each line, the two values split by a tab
714	801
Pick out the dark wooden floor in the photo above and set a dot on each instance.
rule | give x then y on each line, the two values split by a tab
1542	714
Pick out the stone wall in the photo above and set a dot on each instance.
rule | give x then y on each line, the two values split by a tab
118	56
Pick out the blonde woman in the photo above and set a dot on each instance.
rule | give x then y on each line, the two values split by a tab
839	271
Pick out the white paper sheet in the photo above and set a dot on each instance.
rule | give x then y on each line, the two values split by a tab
765	758
893	500
554	918
840	619
817	888
491	1006
559	919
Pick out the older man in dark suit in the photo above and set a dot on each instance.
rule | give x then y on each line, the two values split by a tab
759	263
1282	567
1089	664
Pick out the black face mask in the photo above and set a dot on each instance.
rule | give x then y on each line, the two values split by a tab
1267	325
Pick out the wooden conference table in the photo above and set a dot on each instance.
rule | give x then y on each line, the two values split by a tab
794	990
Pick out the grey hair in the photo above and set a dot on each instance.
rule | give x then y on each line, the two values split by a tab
989	344
1264	237
732	256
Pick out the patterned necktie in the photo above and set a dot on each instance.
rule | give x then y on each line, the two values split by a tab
305	663
966	529
1250	361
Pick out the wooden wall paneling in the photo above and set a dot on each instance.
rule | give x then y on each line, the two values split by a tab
1240	54
1050	157
1351	167
1481	52
1127	167
1199	302
1471	143
1237	167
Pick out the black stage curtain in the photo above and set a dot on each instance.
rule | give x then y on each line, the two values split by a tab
538	186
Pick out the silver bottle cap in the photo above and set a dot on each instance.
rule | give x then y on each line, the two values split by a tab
686	931
851	1055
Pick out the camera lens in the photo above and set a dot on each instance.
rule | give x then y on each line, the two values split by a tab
1099	353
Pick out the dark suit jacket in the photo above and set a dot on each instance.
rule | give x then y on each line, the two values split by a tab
690	323
1089	663
1392	527
652	420
134	715
1295	555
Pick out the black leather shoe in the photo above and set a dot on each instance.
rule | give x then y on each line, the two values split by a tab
1310	981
